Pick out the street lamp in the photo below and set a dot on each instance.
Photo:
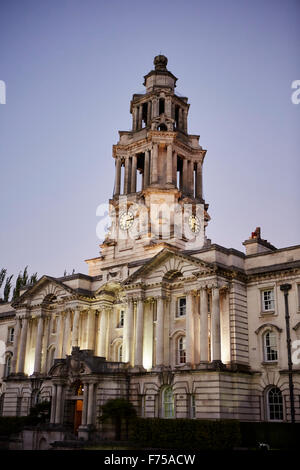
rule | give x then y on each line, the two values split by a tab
285	289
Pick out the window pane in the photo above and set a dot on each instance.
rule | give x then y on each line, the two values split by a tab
270	346
168	403
182	306
268	299
275	404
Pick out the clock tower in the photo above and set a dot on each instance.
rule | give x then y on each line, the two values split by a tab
157	198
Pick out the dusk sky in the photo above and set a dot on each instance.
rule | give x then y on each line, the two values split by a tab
70	69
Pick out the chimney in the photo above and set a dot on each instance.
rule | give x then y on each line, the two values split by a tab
255	244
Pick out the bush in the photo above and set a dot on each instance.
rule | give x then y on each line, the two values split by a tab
277	435
12	425
186	433
118	411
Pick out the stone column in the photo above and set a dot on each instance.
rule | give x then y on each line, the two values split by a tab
53	404
38	346
117	177
175	169
133	175
169	179
189	329
146	168
180	119
185	176
91	329
199	180
126	176
184	119
168	107
191	178
215	325
58	336
140	117
148	113
128	331
103	326
22	351
85	405
134	118
90	410
155	108
16	346
138	359
45	343
66	337
203	325
154	158
58	404
160	332
75	330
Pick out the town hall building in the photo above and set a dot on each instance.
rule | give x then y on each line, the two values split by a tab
178	325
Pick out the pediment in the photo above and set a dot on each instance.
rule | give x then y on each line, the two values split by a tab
46	289
169	265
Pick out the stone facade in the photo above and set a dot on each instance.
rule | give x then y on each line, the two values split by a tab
179	326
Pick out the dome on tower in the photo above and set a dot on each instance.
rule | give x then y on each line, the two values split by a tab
160	62
160	77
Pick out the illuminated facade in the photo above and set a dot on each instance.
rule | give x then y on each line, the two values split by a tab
178	325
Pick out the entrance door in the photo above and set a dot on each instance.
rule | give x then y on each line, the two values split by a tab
77	415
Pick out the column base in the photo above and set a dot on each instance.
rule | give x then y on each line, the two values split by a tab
84	432
187	366
160	368
138	369
202	365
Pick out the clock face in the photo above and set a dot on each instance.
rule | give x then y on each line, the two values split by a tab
194	224
126	220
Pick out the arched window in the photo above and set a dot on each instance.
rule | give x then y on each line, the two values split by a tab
270	346
162	127
168	403
274	404
181	350
7	368
161	106
120	353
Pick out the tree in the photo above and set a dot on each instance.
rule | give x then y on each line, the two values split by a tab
118	410
33	278
40	413
17	288
7	288
2	276
22	280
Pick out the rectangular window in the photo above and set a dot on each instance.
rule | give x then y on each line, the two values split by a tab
121	319
271	353
193	407
11	335
181	307
268	300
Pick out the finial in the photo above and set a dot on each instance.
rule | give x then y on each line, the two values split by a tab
160	62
